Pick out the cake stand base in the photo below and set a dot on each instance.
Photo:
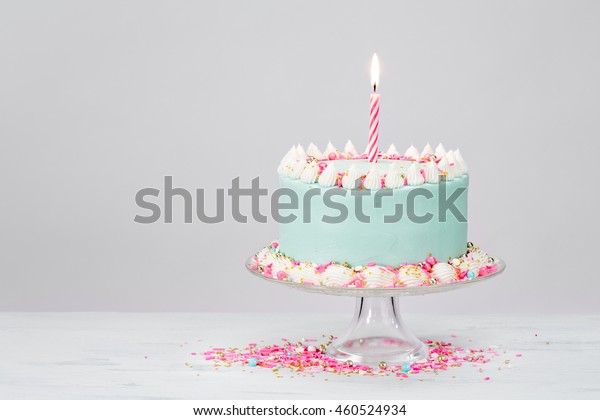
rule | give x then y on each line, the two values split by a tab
377	334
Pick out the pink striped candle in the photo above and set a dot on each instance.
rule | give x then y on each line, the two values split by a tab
372	149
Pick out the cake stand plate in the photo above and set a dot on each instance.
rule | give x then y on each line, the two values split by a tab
377	333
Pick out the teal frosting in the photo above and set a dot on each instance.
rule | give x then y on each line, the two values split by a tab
384	243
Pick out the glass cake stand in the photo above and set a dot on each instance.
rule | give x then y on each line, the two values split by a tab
377	333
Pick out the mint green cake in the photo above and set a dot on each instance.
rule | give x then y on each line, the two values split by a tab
397	222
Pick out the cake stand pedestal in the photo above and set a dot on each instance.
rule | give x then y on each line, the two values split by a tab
377	333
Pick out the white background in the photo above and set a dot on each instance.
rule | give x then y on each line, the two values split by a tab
98	100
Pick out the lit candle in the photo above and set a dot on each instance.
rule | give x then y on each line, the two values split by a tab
372	149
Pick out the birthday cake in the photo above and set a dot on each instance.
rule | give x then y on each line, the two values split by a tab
399	220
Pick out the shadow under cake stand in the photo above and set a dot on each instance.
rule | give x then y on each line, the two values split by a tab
377	333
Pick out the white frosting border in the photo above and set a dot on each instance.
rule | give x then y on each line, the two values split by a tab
271	263
311	165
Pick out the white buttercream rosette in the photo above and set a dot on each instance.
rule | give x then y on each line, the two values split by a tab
377	276
444	273
474	261
411	275
337	275
305	273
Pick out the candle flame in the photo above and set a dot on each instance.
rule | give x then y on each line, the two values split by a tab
375	72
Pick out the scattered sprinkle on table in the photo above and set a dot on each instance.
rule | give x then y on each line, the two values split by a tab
302	358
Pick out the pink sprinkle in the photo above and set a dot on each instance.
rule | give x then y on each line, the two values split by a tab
371	264
268	270
320	269
487	378
518	355
431	261
145	357
193	354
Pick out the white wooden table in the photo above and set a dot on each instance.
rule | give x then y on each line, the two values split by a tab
144	355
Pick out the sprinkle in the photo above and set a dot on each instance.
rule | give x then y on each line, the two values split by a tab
518	355
310	361
487	378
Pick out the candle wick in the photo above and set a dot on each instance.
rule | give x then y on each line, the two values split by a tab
374	87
